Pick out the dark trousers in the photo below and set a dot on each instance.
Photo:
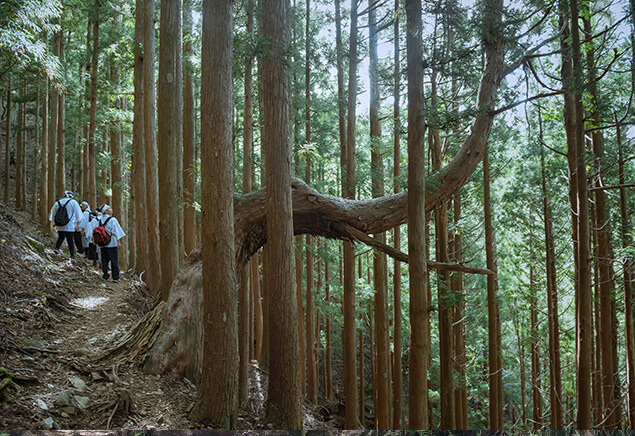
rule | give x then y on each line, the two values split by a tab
92	251
110	254
69	236
78	242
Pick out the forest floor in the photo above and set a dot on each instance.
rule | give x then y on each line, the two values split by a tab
56	316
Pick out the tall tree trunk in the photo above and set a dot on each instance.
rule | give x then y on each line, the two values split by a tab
604	258
298	298
189	134
397	372
7	145
284	408
536	393
446	299
419	317
151	158
138	141
555	385
627	271
458	289
341	100
116	152
348	340
44	200
328	376
34	155
248	280
362	384
312	379
217	400
19	150
494	327
92	131
248	177
382	387
574	120
86	107
170	137
61	128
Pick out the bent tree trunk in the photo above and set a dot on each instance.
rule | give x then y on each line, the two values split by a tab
178	346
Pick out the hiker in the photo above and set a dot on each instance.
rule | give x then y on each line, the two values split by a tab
87	226
66	216
107	235
78	234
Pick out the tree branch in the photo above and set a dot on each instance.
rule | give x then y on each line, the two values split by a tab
358	235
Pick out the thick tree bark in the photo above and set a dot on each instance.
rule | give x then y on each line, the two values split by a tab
7	145
604	258
284	408
457	284
397	371
116	152
217	400
328	360
574	117
382	348
85	106
494	327
419	317
19	150
61	116
312	379
189	133
555	385
170	137
248	283
151	159
627	271
34	155
44	201
348	333
92	131
140	254
446	299
536	393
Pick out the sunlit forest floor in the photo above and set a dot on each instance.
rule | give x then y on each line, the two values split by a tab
56	316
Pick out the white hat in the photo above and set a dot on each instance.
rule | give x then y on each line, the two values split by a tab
105	208
69	194
85	203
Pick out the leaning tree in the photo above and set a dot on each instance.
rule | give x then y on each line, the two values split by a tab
178	346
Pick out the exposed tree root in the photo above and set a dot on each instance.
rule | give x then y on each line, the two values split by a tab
139	338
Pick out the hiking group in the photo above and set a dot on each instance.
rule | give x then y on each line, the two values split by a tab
96	234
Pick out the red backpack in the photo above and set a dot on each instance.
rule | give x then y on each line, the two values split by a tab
100	236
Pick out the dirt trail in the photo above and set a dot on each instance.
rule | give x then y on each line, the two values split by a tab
56	315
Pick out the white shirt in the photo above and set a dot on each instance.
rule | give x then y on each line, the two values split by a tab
90	226
83	225
112	227
74	212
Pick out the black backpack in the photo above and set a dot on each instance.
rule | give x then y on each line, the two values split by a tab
61	215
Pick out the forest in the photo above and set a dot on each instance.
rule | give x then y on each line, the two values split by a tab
417	213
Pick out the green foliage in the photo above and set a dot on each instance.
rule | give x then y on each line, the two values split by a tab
23	29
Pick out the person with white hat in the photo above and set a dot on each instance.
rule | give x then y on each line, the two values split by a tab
79	240
109	252
66	216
